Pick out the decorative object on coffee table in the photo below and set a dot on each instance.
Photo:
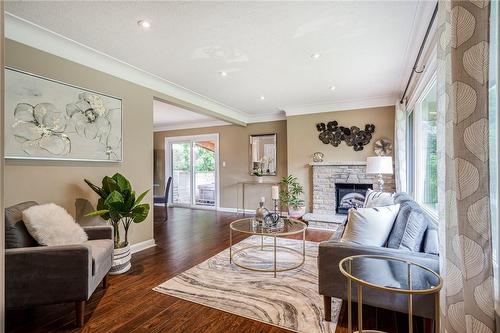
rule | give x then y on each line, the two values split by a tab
332	133
261	212
247	226
407	278
382	147
291	194
119	205
379	165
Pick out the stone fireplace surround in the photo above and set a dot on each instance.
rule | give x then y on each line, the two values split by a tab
324	177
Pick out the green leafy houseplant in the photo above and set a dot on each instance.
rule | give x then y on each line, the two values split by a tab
291	192
118	204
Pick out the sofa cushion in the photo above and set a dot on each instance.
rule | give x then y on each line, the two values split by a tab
102	254
378	199
409	230
414	231
16	234
50	224
401	197
369	226
431	239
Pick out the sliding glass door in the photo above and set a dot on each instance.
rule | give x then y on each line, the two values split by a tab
193	165
181	173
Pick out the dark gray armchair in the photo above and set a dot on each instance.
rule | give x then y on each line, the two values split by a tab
332	283
37	275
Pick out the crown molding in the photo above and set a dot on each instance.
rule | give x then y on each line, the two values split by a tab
265	117
341	105
31	34
188	125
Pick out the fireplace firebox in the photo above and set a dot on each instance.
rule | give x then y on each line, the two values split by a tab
350	196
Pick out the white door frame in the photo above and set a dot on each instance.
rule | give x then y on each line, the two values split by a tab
169	172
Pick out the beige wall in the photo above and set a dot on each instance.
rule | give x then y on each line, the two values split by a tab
303	139
62	182
234	150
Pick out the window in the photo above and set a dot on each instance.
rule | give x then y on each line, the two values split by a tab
422	159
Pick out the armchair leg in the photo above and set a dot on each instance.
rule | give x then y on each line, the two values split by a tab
80	313
105	281
327	301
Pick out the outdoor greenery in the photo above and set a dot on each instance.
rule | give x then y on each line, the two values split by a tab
291	192
205	158
117	203
431	172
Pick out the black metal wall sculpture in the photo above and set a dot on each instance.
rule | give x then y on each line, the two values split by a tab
333	134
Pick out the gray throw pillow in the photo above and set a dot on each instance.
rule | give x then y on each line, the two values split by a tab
16	234
414	231
399	227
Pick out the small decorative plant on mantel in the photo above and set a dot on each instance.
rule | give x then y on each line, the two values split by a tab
291	193
119	205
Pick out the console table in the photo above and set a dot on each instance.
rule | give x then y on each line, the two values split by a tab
244	185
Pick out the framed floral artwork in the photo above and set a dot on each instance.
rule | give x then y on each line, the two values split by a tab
51	120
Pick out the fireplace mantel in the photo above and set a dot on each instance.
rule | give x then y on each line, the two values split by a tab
337	163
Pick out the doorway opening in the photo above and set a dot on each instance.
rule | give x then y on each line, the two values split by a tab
193	164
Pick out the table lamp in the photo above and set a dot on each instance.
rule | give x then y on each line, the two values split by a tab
379	165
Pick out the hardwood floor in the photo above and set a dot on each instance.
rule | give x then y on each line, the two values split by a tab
130	305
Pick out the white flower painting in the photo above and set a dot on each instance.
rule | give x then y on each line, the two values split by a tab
47	119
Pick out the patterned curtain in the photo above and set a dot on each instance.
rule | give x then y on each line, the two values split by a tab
400	147
467	295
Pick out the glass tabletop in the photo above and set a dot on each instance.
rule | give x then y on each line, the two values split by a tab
249	226
391	274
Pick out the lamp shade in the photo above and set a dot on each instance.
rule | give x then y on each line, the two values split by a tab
379	165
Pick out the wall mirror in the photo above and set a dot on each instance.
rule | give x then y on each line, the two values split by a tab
263	154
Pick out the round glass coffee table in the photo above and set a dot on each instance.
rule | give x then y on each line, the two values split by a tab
286	228
403	277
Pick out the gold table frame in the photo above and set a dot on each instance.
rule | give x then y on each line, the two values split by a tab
410	292
262	246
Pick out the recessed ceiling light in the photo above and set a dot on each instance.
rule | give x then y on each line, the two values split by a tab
144	24
315	55
262	98
222	73
332	87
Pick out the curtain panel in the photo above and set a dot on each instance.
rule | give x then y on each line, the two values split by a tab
400	147
465	224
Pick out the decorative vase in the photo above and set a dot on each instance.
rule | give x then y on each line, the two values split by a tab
121	260
296	212
260	179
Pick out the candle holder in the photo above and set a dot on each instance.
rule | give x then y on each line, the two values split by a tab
272	219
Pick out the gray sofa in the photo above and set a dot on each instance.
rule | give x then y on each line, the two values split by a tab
423	249
37	275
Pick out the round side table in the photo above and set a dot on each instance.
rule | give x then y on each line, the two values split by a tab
360	269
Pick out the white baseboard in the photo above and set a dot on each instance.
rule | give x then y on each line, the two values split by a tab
234	210
137	247
247	211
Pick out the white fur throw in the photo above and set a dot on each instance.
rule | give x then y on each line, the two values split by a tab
50	224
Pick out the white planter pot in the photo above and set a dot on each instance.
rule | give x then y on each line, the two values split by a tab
296	213
259	179
121	260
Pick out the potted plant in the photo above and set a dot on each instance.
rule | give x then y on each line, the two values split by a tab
118	204
290	193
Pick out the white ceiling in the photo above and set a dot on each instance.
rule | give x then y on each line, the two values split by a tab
170	117
366	47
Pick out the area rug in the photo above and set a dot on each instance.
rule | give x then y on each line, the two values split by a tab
290	300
